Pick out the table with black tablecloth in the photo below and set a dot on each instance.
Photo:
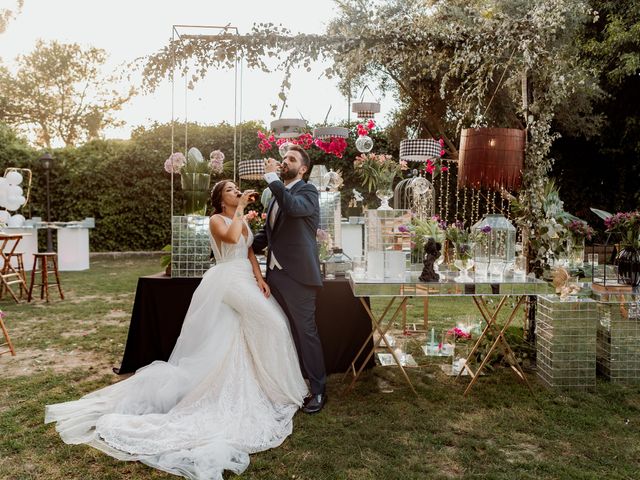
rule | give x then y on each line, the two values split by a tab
161	304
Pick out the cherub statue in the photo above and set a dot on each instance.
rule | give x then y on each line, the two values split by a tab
431	253
561	282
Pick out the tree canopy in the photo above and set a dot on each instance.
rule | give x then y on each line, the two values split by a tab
60	93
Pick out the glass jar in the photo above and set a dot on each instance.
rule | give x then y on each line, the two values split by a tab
336	265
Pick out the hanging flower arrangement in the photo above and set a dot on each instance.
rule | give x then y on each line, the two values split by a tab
333	146
434	165
266	143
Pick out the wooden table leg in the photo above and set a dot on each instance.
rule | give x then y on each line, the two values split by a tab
379	327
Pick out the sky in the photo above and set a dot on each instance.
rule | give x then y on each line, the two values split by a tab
135	28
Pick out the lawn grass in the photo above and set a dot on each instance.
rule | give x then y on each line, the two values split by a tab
500	431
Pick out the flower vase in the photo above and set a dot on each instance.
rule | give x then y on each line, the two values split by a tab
576	252
628	261
464	261
461	350
195	189
384	190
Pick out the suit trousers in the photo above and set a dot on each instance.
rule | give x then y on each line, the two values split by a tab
299	304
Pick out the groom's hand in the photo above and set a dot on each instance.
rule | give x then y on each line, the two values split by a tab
271	165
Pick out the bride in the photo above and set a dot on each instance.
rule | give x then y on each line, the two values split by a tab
231	386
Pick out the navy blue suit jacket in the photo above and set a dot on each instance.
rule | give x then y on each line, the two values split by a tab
293	236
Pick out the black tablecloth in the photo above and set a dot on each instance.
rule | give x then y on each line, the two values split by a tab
161	303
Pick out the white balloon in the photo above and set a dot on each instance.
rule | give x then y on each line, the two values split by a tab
12	206
4	186
22	200
16	221
4	216
3	198
14	178
15	190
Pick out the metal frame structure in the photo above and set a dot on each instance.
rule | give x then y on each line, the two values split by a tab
178	33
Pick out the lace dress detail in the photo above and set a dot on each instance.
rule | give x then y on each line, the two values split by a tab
230	388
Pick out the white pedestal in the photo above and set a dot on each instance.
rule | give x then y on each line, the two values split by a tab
27	246
352	239
73	249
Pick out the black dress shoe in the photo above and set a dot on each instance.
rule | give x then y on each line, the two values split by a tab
314	403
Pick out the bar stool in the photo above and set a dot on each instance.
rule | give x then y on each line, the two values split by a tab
44	259
6	336
19	256
8	274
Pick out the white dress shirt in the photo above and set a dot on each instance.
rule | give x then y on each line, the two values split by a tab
272	177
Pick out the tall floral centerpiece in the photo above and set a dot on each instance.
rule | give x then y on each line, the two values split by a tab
578	231
195	176
627	224
464	241
378	172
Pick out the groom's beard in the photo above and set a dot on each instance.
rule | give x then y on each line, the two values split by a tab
289	173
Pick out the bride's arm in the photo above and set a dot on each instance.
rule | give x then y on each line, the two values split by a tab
231	233
258	274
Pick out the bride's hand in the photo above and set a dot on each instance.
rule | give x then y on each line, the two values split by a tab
264	288
247	197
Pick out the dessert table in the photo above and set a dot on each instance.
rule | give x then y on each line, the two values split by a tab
399	290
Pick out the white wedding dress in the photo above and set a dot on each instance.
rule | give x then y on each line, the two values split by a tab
230	388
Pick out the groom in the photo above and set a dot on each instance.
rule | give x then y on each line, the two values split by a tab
293	270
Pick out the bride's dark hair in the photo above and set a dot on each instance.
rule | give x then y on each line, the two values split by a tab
216	195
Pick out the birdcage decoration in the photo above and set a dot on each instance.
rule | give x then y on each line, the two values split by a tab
415	194
496	245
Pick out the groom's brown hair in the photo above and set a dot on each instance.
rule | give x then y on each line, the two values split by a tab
306	161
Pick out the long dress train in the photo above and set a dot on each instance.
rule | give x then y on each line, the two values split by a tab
230	388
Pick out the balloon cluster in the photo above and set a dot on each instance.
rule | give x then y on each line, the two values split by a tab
11	198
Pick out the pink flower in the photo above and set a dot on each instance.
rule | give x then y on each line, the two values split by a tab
445	169
216	162
175	163
251	214
371	124
263	216
441	141
442	152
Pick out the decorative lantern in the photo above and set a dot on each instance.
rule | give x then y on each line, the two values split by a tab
491	158
365	110
251	169
288	127
330	234
419	149
496	245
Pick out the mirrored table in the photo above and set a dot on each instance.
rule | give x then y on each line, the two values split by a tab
399	290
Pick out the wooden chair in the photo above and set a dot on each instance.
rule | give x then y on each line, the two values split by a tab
9	275
44	259
6	337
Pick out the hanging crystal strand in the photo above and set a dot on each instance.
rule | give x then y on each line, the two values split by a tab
440	205
458	203
464	203
447	199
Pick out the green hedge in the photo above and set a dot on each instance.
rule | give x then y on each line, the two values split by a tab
123	185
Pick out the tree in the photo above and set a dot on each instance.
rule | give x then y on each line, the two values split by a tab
6	15
452	64
601	169
59	93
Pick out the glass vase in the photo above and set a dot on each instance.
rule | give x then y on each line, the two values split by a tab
628	261
384	190
195	189
464	261
576	252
